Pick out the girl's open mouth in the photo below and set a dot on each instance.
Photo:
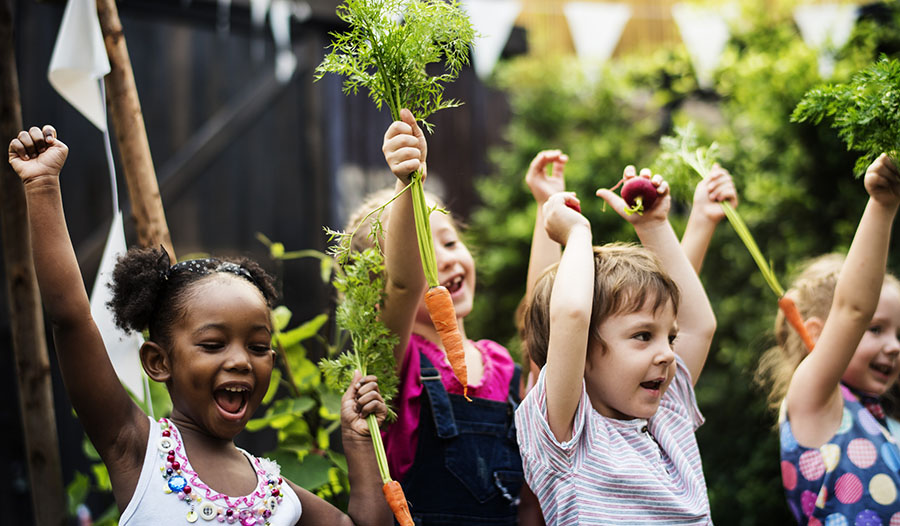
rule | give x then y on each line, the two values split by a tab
882	369
454	284
232	400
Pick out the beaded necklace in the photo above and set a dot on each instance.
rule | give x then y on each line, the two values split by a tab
201	501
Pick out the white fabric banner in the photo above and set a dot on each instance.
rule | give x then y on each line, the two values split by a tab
79	61
122	347
493	20
704	33
596	28
826	28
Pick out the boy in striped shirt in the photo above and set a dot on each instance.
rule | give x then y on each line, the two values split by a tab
607	433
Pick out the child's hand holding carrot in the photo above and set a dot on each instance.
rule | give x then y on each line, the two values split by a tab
360	400
405	148
37	153
717	187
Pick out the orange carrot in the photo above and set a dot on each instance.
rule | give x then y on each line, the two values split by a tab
395	498
443	316
792	315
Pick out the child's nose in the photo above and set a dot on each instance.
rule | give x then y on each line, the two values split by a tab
237	359
892	347
665	354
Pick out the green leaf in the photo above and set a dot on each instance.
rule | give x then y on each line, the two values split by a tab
281	316
274	381
77	492
305	331
309	474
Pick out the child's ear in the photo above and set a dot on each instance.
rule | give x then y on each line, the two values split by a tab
814	327
155	361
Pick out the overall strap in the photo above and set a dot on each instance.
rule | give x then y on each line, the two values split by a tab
514	400
441	411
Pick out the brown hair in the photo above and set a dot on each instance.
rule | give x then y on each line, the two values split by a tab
813	292
626	278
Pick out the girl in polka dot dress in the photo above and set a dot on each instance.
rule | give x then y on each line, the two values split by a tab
840	465
210	332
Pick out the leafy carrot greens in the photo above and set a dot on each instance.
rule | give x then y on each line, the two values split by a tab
865	111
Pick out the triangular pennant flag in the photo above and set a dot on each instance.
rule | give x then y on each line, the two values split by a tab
596	28
79	60
826	28
280	20
122	347
704	33
493	20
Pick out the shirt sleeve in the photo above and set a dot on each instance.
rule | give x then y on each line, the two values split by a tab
680	396
537	444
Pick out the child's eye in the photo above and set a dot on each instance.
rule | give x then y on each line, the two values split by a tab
450	244
875	329
672	338
642	336
210	346
260	349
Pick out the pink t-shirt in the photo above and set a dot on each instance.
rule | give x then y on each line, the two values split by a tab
401	438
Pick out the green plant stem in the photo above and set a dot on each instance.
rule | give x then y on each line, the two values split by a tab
744	233
380	455
423	231
288	374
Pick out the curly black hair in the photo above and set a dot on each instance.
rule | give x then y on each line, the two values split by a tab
148	293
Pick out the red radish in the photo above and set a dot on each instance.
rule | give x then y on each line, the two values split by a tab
640	194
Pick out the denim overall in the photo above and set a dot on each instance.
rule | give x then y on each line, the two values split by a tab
467	468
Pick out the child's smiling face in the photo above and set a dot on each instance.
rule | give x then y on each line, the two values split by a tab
628	378
221	356
875	366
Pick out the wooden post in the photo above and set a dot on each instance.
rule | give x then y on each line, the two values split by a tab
131	135
29	344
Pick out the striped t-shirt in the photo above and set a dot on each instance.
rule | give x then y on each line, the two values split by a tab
617	471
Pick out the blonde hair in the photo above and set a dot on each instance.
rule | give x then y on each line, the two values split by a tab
626	278
363	220
813	292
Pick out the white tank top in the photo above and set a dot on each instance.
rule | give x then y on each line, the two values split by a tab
170	492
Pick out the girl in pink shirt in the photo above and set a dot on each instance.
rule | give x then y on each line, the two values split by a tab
458	460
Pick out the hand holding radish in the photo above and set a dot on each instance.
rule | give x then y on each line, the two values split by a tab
883	181
360	400
717	187
37	153
541	184
560	218
405	148
655	206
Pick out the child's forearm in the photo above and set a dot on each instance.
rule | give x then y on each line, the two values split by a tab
59	277
367	504
696	320
697	236
570	316
544	252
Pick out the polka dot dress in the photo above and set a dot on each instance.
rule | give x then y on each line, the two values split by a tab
853	480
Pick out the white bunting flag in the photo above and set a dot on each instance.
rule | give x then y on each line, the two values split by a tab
79	61
493	20
704	33
826	28
596	28
122	347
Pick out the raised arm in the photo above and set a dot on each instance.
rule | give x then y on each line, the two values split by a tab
405	150
115	425
696	321
571	299
544	251
706	213
813	399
